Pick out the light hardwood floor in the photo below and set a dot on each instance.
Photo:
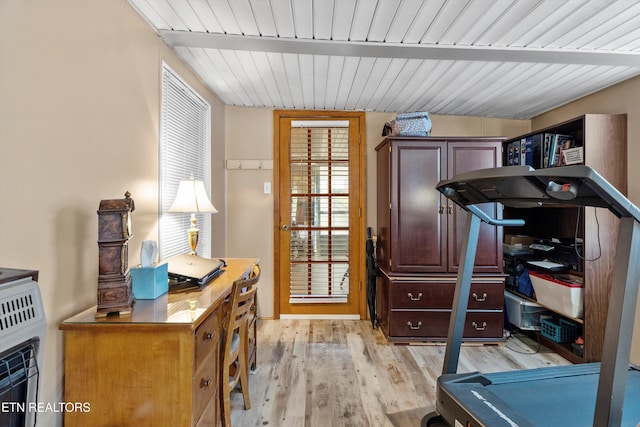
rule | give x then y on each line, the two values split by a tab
343	373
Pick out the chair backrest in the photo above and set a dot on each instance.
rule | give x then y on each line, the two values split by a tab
241	299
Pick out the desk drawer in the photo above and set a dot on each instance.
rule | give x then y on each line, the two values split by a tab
207	338
205	383
434	324
439	295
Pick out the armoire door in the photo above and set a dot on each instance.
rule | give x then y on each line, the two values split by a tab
464	156
418	226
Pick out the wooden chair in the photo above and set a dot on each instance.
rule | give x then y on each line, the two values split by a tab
234	367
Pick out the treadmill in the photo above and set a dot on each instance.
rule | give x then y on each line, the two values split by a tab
590	394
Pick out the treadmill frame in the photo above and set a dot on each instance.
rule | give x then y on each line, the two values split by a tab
591	189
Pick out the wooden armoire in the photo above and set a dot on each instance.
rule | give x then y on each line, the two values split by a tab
420	236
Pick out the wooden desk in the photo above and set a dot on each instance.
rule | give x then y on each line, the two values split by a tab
157	366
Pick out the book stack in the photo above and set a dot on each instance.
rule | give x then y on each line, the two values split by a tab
544	150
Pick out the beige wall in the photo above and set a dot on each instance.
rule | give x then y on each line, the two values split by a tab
249	136
622	98
79	114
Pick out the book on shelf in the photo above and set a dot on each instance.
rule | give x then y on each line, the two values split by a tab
553	146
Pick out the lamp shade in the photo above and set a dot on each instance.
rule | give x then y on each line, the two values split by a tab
192	197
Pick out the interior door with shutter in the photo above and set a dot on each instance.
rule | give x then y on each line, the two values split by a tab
320	215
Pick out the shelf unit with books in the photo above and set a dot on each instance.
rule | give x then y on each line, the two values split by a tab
600	141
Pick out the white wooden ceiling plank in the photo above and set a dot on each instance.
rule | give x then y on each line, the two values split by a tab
618	38
425	16
150	14
405	78
403	20
377	101
596	79
303	18
323	19
347	77
553	28
307	80
548	14
334	74
362	18
217	57
522	100
630	43
616	21
472	21
536	85
243	14
169	15
430	72
200	61
513	75
514	13
287	76
187	15
593	22
283	18
224	15
203	10
382	19
293	78
232	61
439	95
343	15
468	83
263	14
254	77
365	67
268	78
447	15
372	84
320	72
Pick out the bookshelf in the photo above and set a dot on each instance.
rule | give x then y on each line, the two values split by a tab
601	140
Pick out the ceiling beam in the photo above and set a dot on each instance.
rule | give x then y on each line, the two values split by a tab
395	50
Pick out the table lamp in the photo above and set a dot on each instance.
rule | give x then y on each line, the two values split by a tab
192	198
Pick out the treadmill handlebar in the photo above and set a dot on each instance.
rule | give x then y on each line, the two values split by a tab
493	221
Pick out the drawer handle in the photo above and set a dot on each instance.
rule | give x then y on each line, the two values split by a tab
479	328
209	336
205	382
483	299
415	328
412	298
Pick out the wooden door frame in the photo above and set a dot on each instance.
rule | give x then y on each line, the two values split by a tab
359	228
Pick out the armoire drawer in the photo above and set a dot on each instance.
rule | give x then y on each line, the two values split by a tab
439	295
435	324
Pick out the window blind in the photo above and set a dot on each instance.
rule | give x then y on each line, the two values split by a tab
184	152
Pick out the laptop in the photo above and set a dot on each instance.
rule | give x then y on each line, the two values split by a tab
192	268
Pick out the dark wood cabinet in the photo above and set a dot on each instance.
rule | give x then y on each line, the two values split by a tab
420	235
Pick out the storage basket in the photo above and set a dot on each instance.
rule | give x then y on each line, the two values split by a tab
558	330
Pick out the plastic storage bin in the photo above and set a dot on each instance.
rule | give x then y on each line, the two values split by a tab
559	330
562	293
524	314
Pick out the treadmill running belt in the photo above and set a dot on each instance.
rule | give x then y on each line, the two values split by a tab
565	396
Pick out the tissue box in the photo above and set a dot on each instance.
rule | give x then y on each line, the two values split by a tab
150	282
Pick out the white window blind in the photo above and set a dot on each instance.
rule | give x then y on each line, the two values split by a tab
184	153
